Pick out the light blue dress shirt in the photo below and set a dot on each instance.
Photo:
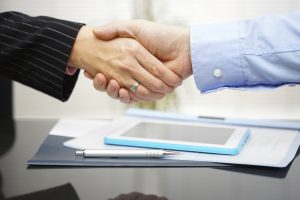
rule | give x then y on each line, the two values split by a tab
263	52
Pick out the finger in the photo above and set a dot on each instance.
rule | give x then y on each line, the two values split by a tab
146	94
157	68
136	98
124	96
145	78
87	75
100	82
113	88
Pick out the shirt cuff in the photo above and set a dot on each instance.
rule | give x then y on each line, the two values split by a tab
216	58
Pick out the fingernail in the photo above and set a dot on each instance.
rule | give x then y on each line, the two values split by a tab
98	81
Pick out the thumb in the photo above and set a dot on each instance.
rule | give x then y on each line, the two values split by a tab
123	29
107	32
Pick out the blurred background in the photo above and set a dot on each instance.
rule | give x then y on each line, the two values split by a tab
85	102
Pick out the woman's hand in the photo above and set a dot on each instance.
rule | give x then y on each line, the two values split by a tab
126	61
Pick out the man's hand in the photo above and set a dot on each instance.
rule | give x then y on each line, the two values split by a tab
170	44
126	61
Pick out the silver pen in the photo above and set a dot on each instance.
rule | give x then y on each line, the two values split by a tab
124	153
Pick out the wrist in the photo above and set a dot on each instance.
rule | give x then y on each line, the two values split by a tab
78	51
186	53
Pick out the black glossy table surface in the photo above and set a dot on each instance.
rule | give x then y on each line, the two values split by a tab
19	140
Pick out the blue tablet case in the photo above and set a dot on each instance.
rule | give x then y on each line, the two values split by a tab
179	147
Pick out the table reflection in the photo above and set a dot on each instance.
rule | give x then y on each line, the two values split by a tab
7	135
273	172
7	138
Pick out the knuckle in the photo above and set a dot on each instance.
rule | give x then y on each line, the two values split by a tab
124	67
114	62
127	68
124	64
177	80
123	31
145	93
159	85
132	47
157	71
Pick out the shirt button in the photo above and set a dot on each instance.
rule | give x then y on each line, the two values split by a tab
217	73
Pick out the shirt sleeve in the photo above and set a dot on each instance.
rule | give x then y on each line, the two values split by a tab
35	52
262	52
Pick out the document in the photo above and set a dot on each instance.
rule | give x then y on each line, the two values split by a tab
265	147
76	127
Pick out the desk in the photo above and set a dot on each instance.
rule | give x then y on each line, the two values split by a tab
227	183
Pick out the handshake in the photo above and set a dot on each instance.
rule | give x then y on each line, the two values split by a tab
133	61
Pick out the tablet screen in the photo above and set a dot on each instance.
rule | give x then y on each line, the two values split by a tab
186	133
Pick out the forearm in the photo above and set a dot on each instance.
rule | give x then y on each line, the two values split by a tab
248	53
35	51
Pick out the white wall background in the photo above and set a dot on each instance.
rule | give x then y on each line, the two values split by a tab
86	103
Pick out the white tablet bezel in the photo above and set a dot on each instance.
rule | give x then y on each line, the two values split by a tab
128	122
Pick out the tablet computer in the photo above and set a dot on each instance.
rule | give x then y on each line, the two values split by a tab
182	136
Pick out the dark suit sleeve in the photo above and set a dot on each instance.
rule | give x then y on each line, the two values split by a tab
35	51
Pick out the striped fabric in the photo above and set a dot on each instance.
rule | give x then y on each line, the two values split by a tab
35	51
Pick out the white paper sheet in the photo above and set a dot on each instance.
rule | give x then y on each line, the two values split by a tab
76	127
265	147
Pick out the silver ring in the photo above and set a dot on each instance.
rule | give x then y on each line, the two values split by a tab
133	87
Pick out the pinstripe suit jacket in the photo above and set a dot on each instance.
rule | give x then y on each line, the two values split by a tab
35	51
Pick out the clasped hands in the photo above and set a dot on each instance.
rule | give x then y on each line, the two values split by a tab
118	55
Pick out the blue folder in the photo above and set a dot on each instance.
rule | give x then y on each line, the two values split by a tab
53	153
215	120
